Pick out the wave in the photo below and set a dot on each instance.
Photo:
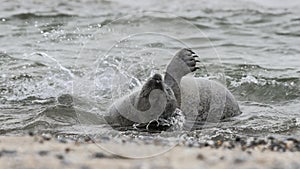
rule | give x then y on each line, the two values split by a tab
29	15
293	34
264	90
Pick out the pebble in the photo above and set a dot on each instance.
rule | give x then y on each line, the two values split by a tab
62	140
8	152
87	139
190	144
239	160
237	139
261	142
85	167
219	143
99	155
43	153
46	136
31	133
228	145
289	144
244	148
67	150
77	143
200	157
209	143
60	156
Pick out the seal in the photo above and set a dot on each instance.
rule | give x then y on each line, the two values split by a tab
155	100
199	99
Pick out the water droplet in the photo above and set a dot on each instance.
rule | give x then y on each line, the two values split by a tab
46	34
35	23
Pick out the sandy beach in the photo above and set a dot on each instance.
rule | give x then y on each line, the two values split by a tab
37	152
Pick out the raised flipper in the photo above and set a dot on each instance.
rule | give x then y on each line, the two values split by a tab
184	62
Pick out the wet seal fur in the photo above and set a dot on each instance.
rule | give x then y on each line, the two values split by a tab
153	103
199	99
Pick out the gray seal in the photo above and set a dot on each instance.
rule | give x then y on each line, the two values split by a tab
199	99
154	101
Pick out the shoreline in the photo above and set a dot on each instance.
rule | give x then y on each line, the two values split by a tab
49	152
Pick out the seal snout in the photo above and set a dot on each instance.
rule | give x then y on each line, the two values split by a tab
157	81
157	78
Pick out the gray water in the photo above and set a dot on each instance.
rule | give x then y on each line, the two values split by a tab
100	50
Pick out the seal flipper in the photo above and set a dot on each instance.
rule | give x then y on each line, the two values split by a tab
183	63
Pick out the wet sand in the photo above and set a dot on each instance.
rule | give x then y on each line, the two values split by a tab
48	152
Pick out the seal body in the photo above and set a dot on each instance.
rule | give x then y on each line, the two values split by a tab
206	100
198	98
153	101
